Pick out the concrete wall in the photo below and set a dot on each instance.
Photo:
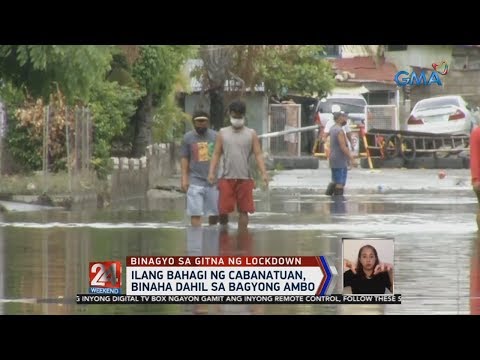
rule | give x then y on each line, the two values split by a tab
456	82
133	177
350	51
163	162
419	55
129	177
196	102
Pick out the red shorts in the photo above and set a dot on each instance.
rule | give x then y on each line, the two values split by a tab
237	192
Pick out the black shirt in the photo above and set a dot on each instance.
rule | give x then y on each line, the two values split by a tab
375	285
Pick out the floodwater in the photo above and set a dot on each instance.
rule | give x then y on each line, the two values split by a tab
44	255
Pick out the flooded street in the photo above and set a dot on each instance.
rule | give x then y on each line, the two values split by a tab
44	255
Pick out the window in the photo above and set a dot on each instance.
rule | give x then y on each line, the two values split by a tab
433	103
332	50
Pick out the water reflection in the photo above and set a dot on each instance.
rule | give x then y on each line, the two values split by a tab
44	255
221	241
338	206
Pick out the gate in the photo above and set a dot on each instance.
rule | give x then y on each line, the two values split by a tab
381	117
284	117
76	125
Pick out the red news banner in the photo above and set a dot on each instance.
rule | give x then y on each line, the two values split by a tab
231	279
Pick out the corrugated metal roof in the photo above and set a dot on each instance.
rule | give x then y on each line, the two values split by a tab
366	70
196	85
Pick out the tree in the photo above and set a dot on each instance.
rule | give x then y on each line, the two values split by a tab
155	70
282	69
76	75
88	75
217	62
41	70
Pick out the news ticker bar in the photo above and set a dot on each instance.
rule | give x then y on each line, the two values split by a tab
90	299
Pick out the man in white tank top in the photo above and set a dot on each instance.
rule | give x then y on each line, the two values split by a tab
235	184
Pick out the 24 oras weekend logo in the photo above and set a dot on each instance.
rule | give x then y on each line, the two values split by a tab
105	277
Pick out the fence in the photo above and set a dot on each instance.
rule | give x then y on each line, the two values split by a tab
72	128
381	117
131	178
284	117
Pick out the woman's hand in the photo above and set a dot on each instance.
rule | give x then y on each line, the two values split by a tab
350	265
382	267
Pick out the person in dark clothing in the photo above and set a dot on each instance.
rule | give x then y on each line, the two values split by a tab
368	275
340	155
196	153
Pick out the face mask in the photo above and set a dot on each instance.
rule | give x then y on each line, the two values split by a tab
200	130
237	123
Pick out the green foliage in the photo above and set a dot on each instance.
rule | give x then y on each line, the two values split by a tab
112	106
25	148
157	68
12	96
284	69
169	121
111	80
22	145
295	69
42	69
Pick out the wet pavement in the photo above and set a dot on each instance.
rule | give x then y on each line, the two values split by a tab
44	255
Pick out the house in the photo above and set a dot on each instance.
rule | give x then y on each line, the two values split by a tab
361	69
374	67
375	76
463	77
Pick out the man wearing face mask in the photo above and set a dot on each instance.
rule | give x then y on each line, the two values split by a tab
340	155
236	143
196	153
326	132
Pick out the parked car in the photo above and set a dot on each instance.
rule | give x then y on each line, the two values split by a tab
442	115
354	105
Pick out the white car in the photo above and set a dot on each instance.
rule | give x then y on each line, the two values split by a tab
354	105
442	115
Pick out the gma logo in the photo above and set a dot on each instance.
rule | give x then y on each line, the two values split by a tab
404	78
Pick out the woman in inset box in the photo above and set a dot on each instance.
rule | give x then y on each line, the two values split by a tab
368	275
